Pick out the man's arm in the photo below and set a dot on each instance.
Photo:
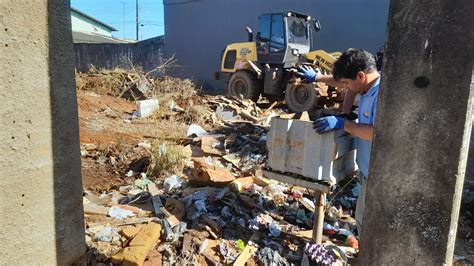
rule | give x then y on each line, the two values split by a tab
365	132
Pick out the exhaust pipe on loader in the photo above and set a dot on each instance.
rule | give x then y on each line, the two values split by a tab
250	33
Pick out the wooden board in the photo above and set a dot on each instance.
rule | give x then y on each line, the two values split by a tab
155	198
301	182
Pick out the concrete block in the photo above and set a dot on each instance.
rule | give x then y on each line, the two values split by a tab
294	147
146	108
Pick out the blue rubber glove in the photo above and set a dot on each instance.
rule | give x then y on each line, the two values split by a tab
328	123
308	73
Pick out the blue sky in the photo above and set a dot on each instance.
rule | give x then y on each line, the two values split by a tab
112	13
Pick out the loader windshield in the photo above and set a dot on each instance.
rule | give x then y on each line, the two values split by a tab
297	31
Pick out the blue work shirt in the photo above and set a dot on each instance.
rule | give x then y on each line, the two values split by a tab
367	111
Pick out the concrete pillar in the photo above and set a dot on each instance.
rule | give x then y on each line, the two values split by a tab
422	134
40	181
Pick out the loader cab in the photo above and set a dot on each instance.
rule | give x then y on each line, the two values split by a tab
283	37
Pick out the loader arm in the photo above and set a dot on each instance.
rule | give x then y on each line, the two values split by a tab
323	59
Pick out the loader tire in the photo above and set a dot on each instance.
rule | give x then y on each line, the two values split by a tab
301	97
246	84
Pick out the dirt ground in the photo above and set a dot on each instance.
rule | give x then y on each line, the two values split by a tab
105	120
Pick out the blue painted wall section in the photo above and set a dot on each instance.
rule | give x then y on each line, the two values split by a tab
198	30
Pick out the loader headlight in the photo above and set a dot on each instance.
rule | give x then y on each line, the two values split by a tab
295	52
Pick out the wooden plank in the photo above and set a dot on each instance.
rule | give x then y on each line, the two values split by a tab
92	208
190	190
269	109
141	221
244	113
155	198
248	251
311	184
131	208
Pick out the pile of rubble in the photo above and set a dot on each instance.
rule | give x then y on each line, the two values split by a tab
199	197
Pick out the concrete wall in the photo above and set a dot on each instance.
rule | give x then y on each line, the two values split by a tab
197	31
81	23
422	134
40	178
470	158
147	54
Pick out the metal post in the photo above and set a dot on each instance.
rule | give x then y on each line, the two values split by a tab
319	217
136	18
123	19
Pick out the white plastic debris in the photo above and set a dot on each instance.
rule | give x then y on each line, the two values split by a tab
203	246
119	213
107	234
196	130
103	233
309	204
144	86
146	108
172	182
225	114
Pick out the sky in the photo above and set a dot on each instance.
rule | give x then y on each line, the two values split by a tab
112	12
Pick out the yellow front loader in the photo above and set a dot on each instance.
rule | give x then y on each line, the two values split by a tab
266	66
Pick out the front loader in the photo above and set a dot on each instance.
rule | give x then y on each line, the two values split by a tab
267	65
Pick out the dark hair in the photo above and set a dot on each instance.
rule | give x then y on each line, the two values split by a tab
351	62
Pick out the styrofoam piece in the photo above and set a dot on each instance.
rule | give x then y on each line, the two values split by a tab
196	130
295	147
146	108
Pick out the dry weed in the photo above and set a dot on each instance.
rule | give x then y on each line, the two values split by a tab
195	114
166	159
171	123
103	82
175	88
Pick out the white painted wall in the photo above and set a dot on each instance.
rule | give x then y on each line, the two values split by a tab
80	23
